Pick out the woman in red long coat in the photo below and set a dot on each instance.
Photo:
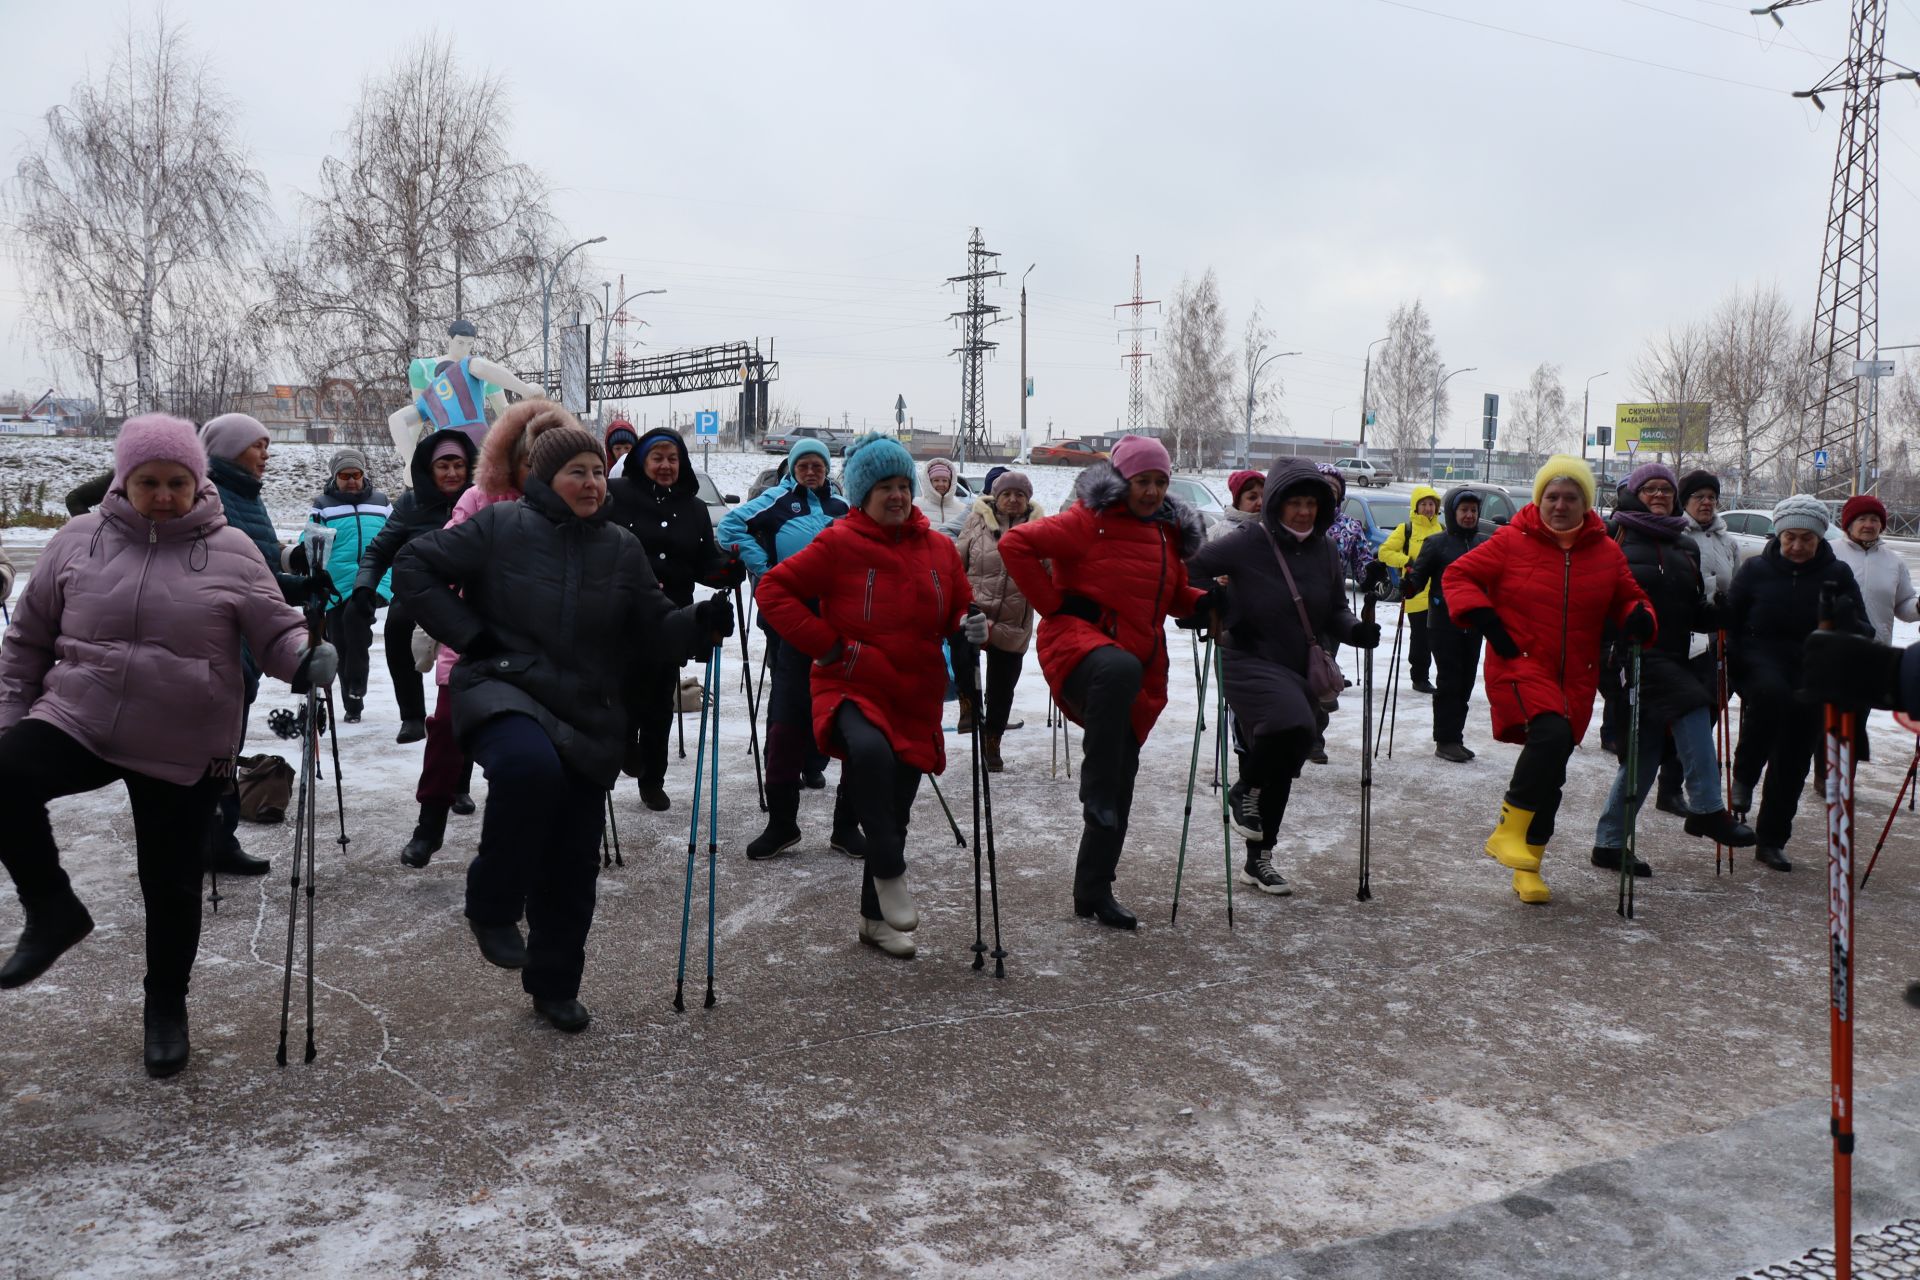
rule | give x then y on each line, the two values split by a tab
871	600
1543	592
1117	571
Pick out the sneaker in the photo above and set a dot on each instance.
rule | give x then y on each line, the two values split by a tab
1243	811
1454	751
1262	875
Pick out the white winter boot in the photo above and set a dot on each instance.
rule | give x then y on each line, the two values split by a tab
896	904
878	933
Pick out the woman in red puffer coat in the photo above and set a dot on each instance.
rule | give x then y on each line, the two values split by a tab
1118	571
1543	591
889	591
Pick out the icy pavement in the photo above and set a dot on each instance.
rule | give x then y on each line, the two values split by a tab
1119	1105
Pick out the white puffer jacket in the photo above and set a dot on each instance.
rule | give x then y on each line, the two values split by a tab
1719	557
947	513
1884	582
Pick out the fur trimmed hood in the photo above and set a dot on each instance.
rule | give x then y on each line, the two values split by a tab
526	418
1101	486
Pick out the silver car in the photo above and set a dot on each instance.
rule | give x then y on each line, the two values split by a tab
1364	473
1751	529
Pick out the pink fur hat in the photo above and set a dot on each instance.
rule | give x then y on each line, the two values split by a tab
158	437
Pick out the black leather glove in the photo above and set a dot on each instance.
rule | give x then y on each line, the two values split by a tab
1214	604
1488	624
732	572
1638	628
296	559
1850	670
715	614
1375	577
1075	606
365	602
962	656
1365	635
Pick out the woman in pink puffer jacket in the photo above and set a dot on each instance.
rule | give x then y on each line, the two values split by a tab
123	665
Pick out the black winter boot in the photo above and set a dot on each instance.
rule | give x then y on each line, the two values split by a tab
54	923
654	796
783	825
847	836
1776	858
411	731
1607	858
167	1048
463	805
501	944
1666	798
428	834
1093	879
226	857
1723	827
569	1016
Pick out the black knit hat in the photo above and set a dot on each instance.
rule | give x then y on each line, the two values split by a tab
1694	481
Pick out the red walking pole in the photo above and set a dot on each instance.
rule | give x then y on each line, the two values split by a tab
1840	730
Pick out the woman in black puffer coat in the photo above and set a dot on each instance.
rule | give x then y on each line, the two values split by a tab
1265	649
442	470
1651	533
549	607
657	499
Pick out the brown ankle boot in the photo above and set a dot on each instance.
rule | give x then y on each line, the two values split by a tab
990	748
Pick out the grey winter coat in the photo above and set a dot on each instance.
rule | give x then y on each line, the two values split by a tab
1010	619
1265	649
1719	556
1234	519
561	607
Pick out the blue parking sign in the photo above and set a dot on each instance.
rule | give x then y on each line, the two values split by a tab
706	423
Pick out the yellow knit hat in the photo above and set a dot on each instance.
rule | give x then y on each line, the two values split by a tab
1564	465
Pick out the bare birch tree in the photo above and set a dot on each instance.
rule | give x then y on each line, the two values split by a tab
1540	419
1256	339
1404	379
1673	369
136	184
1754	377
1194	373
426	218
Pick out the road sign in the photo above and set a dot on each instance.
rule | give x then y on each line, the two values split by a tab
1873	368
900	411
1819	459
706	423
1633	447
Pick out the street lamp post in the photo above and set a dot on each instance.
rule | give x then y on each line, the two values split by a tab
1433	437
1246	459
546	300
1586	404
1366	388
1023	357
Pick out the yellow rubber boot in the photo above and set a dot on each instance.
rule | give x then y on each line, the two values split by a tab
1531	887
1508	844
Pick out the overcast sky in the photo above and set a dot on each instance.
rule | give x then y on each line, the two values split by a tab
809	173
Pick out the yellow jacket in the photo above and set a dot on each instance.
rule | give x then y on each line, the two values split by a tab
1403	544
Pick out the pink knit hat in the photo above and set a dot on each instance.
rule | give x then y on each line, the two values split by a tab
157	437
1134	454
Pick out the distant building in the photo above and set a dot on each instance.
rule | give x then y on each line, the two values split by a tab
335	411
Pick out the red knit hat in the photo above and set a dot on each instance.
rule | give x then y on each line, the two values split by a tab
1240	480
1862	504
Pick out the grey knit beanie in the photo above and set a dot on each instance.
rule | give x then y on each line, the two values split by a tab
1801	511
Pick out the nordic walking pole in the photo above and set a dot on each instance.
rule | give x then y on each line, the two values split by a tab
713	810
999	952
1393	679
753	705
979	927
1193	774
1365	893
306	824
1720	738
957	837
293	895
1905	785
1839	745
1226	826
1627	856
1195	637
339	788
612	859
686	897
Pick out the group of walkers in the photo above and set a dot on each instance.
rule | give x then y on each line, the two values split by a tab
556	608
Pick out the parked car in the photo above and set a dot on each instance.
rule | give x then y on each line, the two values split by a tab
835	439
717	502
1197	494
1379	515
1363	473
1751	529
1068	453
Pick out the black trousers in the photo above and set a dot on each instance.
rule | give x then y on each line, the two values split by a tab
539	852
790	745
396	637
1541	772
1781	736
1100	695
651	707
880	790
1271	763
1003	675
1456	661
351	632
1419	652
39	763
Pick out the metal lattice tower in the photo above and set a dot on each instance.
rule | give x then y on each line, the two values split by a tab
620	335
1846	318
1139	356
972	427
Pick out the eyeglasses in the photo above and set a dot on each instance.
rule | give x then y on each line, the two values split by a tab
1655	491
1707	496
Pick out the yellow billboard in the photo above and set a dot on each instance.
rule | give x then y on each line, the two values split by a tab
1661	428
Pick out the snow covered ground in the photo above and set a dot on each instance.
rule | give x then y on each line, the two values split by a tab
1119	1105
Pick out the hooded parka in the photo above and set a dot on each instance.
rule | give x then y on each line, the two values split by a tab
672	523
1402	546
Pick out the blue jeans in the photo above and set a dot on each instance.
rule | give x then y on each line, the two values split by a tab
1693	743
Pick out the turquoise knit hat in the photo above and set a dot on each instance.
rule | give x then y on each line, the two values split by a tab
869	460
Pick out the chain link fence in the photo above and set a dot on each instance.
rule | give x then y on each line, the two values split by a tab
1890	1252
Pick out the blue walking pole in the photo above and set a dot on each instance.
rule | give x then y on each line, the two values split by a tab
713	811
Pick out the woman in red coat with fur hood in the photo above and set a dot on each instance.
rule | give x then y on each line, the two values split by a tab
1119	569
871	600
1543	591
